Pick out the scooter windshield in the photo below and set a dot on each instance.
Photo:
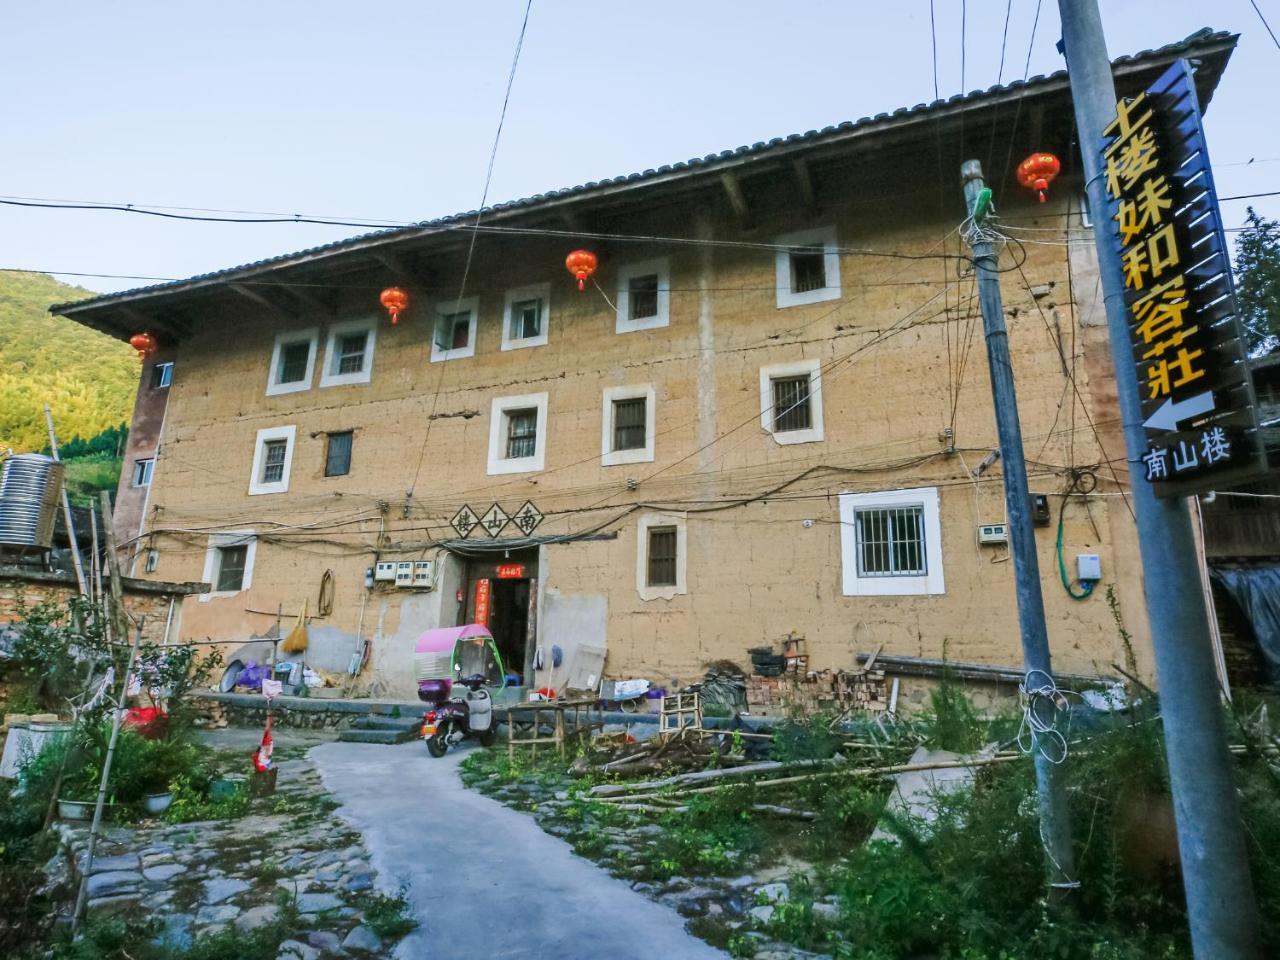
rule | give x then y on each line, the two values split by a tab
474	656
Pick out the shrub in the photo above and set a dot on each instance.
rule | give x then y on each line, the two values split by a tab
387	916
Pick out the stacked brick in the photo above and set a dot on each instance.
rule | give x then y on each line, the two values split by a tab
808	692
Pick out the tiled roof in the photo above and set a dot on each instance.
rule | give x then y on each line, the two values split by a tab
1200	39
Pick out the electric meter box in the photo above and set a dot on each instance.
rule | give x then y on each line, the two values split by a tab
422	573
993	533
1088	567
385	570
404	573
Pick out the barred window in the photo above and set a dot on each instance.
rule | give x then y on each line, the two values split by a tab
808	270
351	349
273	457
293	362
337	460
522	433
791	408
662	557
231	564
891	542
643	296
629	424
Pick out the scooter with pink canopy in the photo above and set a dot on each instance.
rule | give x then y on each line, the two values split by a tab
467	656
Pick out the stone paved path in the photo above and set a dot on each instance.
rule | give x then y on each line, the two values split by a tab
484	880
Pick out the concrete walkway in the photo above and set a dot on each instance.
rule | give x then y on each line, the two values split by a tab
484	880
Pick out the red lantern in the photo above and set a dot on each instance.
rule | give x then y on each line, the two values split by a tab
395	300
1037	172
144	343
582	264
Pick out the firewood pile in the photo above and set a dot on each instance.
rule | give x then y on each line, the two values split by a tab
688	750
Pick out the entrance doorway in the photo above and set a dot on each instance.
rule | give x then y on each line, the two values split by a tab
502	595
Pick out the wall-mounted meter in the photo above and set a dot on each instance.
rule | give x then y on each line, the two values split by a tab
385	570
423	573
404	573
993	533
1088	567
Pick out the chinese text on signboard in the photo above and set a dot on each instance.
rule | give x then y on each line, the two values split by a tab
1197	398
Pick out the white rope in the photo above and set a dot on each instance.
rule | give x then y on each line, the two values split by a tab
1042	702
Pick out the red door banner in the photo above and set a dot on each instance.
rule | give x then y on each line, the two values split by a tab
482	602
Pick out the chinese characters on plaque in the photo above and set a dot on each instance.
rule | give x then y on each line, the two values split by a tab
495	520
1197	397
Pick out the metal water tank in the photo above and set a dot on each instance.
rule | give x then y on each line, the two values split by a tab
30	485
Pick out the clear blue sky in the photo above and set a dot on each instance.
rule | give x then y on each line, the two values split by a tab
388	109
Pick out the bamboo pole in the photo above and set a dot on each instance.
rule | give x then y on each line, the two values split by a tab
851	772
66	507
83	895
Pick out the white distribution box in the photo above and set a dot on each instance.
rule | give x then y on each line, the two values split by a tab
385	570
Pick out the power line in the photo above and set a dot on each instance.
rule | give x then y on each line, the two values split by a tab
1258	11
471	246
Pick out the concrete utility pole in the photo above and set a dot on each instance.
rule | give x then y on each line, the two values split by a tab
1215	867
1055	825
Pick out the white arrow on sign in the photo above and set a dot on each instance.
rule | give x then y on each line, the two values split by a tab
1171	414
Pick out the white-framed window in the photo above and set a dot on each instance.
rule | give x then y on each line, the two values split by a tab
518	434
791	401
661	556
808	268
142	470
348	353
272	460
526	315
293	361
627	425
228	563
454	335
891	543
161	375
644	296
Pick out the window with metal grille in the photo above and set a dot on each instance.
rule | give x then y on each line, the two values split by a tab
808	270
891	542
642	294
629	424
453	330
791	404
161	375
351	347
526	319
273	455
337	459
662	557
142	472
231	562
522	433
293	362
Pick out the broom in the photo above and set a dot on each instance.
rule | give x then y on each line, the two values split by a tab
296	641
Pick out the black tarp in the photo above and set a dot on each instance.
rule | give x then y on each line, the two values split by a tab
1257	591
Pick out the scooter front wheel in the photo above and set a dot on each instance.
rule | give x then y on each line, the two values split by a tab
438	742
488	737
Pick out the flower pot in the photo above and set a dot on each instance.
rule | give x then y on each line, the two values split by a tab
157	802
75	809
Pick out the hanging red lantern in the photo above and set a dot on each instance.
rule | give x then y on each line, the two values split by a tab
1037	172
582	264
395	300
144	343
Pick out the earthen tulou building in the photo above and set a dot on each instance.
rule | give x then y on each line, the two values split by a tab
768	411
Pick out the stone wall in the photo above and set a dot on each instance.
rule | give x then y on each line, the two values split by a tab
151	600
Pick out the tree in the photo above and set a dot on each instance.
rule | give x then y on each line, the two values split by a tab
1258	282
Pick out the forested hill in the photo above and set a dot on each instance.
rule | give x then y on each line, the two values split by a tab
88	378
